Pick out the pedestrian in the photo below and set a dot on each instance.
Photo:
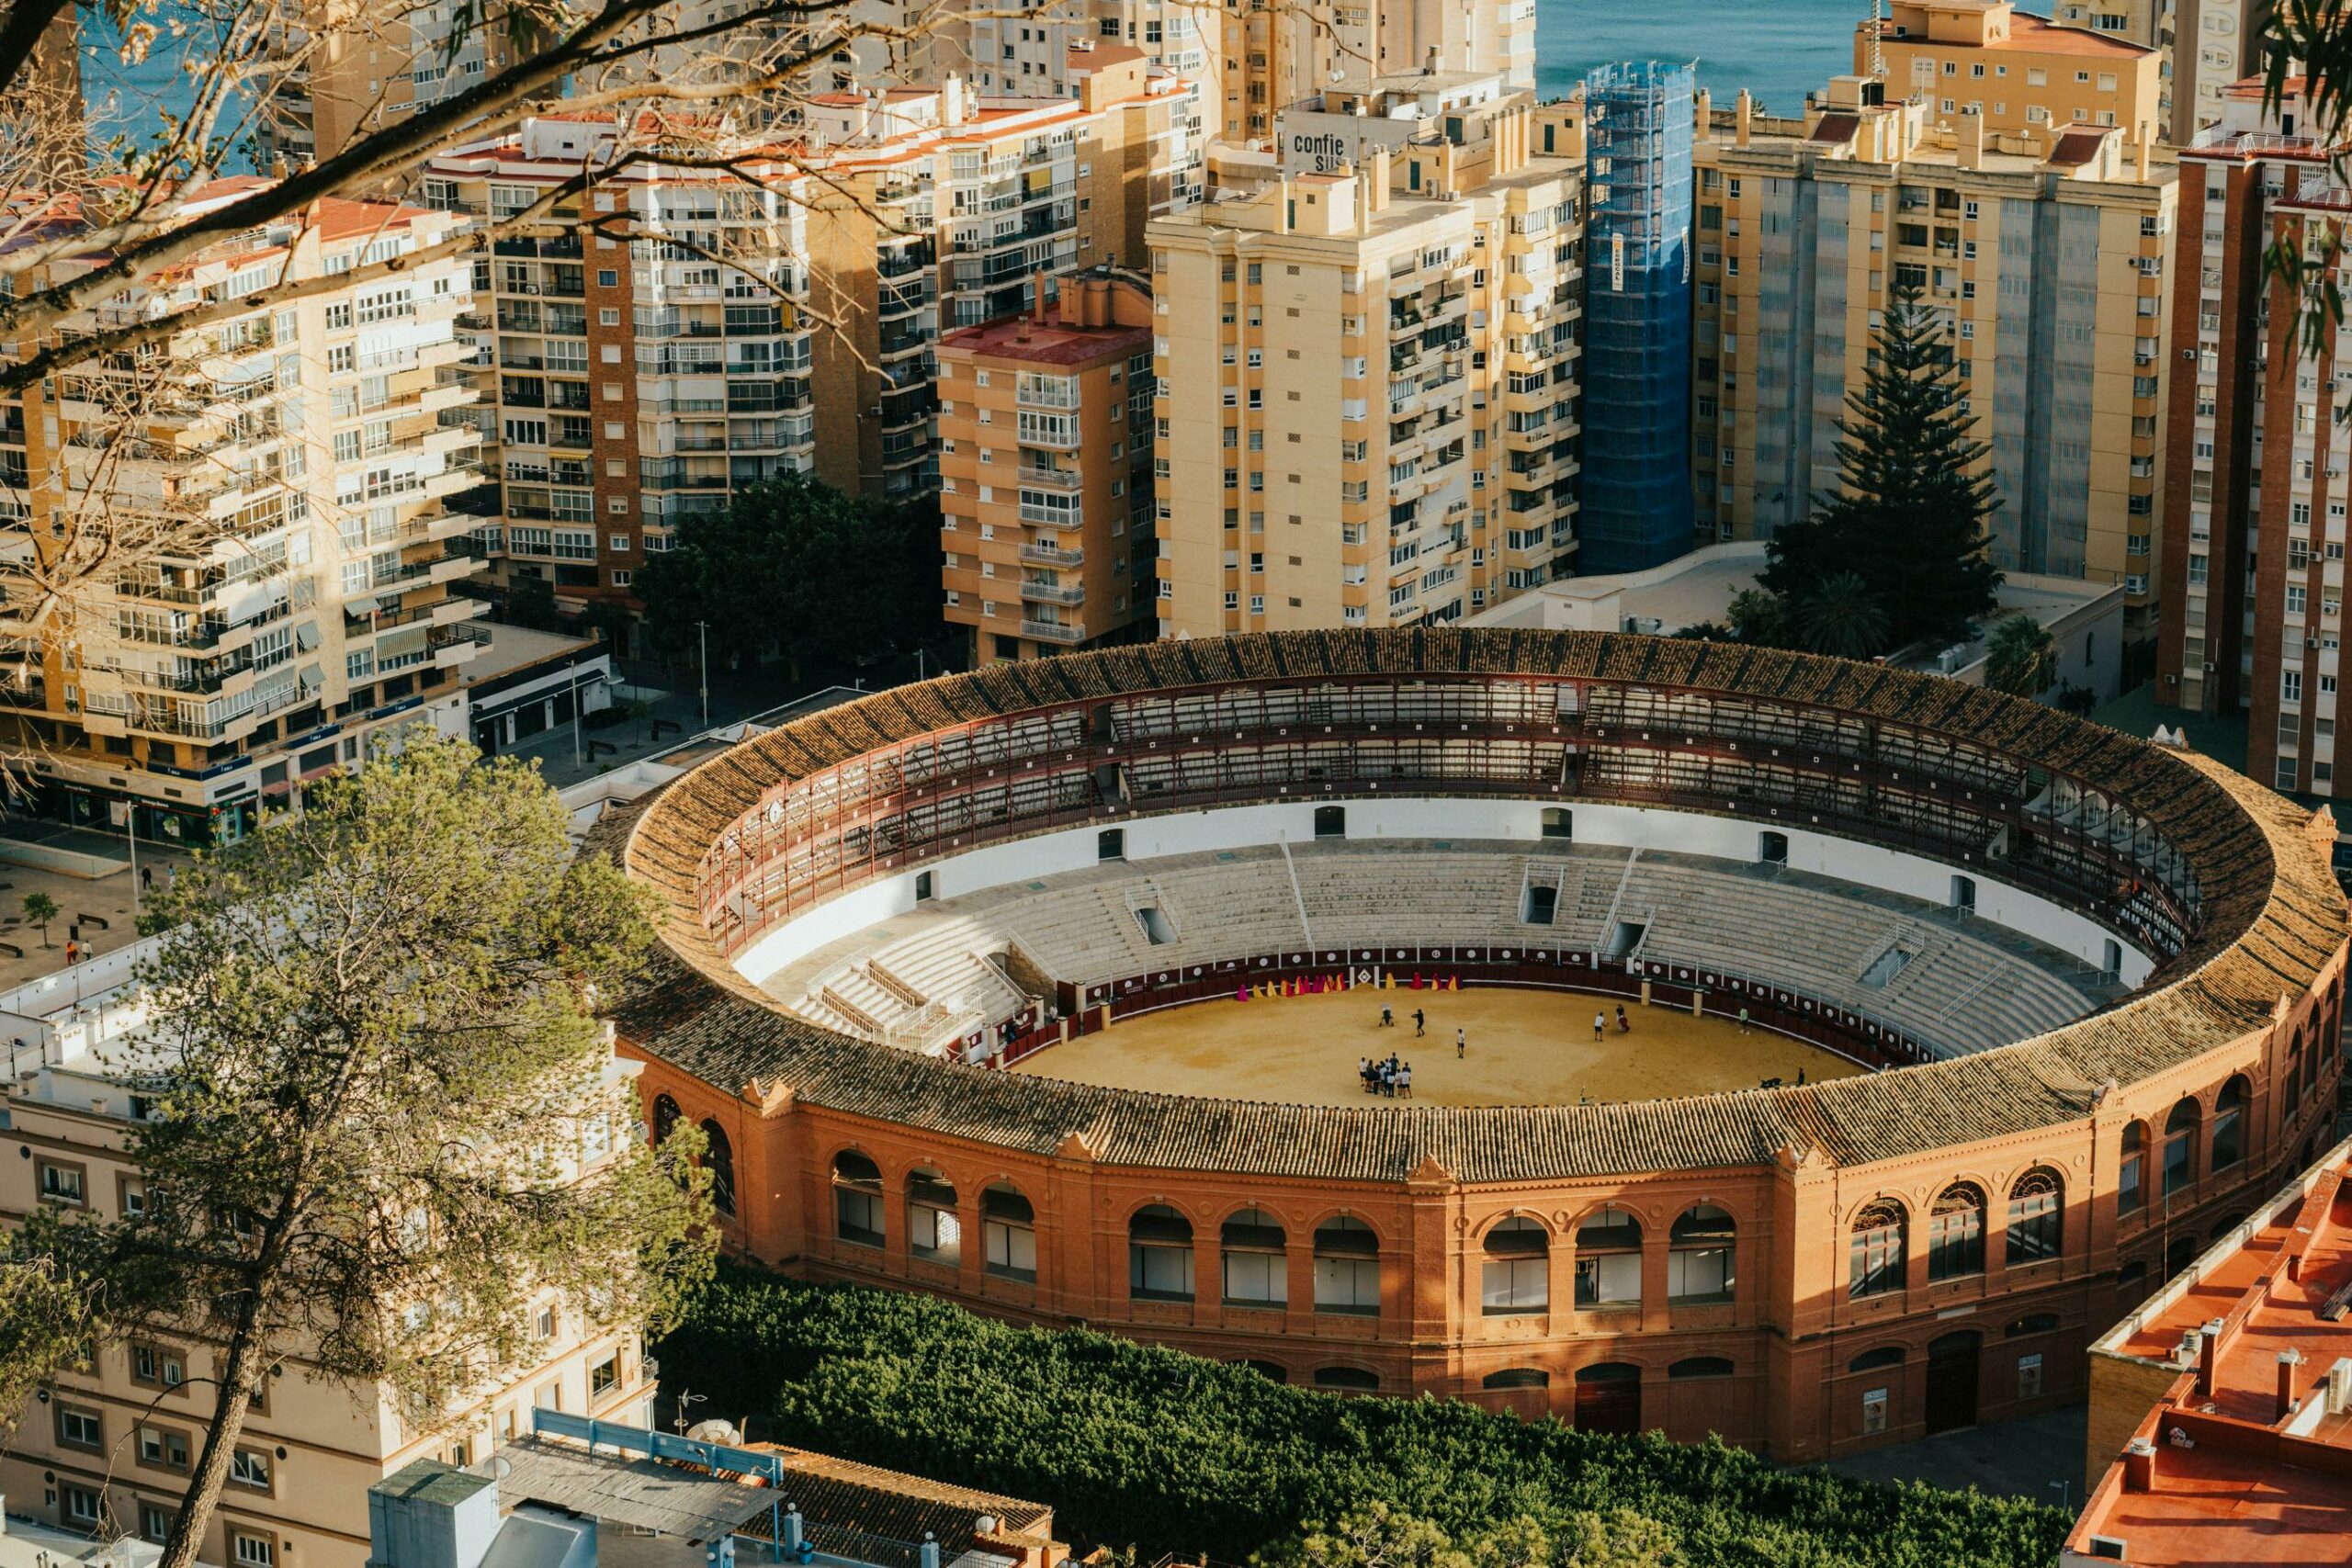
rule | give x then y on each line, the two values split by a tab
72	952
1405	1081
1420	1024
1800	1077
1387	1018
1600	1025
147	878
1461	1042
1388	1082
1364	1071
1623	1027
1743	1021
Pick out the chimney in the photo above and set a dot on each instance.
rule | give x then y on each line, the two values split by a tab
1703	110
2140	154
1746	113
1971	141
2209	1351
2288	1361
2139	1465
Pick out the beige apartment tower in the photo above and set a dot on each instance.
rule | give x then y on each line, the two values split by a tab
1366	406
2013	69
2043	253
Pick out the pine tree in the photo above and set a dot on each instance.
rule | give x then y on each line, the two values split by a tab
1908	515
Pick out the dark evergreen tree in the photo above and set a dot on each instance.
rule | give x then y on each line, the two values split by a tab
1908	515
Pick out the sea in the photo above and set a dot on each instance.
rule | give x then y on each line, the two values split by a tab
1777	49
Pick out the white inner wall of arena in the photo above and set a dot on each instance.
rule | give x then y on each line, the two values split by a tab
1620	827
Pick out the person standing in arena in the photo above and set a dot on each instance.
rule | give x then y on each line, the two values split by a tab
1600	1025
1420	1024
1461	1043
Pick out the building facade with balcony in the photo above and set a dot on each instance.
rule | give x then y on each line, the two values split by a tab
277	482
109	1449
1046	487
2255	498
2013	68
2043	255
1442	283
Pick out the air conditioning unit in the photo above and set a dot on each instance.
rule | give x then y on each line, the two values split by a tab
1648	626
2208	667
2310	642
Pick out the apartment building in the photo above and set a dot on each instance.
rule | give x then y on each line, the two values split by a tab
1044	461
1278	53
1035	53
280	478
2015	71
110	1450
704	329
2044	255
356	73
1366	409
2256	493
2216	44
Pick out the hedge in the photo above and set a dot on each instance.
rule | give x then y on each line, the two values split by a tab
1133	1445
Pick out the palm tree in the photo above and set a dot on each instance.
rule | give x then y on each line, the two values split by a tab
2021	657
1842	617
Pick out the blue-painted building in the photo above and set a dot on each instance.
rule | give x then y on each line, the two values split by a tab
1637	506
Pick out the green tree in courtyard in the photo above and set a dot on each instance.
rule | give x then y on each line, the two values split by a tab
1908	514
799	566
1758	616
383	1124
40	908
1842	616
2021	657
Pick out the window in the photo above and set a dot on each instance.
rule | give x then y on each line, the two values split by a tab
2130	1185
156	1367
249	1467
1700	1366
253	1551
1873	1411
79	1428
61	1183
1699	1267
1257	1272
2180	1152
2229	1124
164	1447
857	1199
1355	1379
1956	1233
1008	1235
934	1229
79	1504
2029	1377
1608	1261
1517	1273
2036	1216
719	1158
1160	1255
604	1376
1347	1268
1875	1258
156	1522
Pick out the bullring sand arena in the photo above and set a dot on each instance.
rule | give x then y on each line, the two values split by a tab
1525	1047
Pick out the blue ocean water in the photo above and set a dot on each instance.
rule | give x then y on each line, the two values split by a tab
1779	50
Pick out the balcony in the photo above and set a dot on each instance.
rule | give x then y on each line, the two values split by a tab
1050	555
1066	480
1036	593
1054	631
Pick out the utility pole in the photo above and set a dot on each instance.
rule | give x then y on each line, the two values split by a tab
575	716
702	630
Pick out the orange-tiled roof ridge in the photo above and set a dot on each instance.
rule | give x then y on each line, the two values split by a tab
2273	919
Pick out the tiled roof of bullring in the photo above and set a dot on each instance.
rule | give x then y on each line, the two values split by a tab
2273	915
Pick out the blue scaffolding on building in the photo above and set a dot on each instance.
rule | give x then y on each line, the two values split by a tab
1637	509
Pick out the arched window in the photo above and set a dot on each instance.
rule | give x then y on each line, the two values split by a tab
2131	1172
2131	1284
1353	1379
719	1158
1956	1233
665	1118
1255	1272
2229	1124
857	1199
2033	1323
1008	1234
1699	1269
2296	1065
1608	1261
1347	1268
1875	1258
935	1228
2037	1216
1272	1372
2179	1254
1517	1274
1700	1366
1160	1255
1876	1361
2180	1147
1518	1377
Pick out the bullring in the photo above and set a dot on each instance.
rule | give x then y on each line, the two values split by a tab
1807	1269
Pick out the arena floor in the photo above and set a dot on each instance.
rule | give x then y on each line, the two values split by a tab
1526	1047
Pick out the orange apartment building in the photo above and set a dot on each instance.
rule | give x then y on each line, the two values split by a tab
2015	70
1045	473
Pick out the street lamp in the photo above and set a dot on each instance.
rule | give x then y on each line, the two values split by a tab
702	629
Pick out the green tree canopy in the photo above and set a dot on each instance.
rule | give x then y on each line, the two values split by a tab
382	1121
799	566
2021	657
1908	514
1841	615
